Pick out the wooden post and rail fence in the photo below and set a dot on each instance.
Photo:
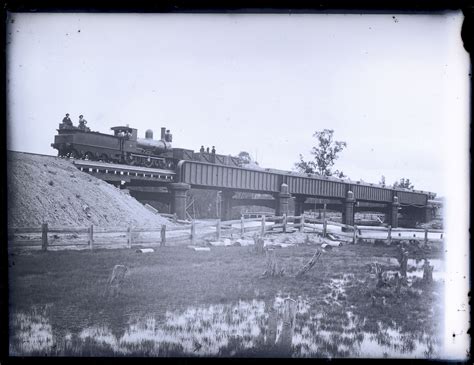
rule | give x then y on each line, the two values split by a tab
98	237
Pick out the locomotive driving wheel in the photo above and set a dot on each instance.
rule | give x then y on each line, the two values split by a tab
89	156
130	160
74	154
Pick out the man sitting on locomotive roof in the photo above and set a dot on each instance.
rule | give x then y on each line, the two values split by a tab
67	121
82	122
213	154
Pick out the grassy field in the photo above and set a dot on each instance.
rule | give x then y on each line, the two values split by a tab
61	295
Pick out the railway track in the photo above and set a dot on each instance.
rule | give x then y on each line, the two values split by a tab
105	170
118	167
33	154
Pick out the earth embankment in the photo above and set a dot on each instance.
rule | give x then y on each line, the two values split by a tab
51	190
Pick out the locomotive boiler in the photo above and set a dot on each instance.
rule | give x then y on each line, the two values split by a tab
156	146
123	146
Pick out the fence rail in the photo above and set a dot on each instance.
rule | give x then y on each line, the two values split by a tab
98	237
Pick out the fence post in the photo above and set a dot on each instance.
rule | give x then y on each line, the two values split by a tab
242	227
129	236
91	236
389	237
354	235
262	229
193	233
218	230
163	235
302	222
44	236
325	226
426	236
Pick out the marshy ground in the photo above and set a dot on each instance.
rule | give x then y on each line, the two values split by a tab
180	302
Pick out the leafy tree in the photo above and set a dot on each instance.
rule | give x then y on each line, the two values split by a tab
306	167
404	184
247	161
325	153
339	174
244	157
382	181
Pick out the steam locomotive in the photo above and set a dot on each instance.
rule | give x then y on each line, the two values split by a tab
125	147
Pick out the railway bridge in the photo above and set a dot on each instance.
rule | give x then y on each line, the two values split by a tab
348	197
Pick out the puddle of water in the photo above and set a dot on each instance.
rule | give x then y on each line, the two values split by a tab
389	342
34	334
224	330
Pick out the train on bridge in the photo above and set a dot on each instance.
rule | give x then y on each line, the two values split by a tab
176	170
125	147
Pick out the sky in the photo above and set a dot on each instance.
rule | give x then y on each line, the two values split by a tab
386	84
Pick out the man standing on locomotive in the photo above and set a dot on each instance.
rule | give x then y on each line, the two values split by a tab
67	121
168	136
82	122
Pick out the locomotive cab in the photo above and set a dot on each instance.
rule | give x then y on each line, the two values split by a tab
125	132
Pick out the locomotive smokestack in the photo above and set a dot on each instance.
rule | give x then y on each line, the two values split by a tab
163	131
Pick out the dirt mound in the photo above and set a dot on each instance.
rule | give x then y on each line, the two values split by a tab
44	188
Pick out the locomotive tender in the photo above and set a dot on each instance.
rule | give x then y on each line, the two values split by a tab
125	147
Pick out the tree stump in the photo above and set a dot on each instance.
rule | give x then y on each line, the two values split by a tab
116	280
380	281
403	261
398	285
271	326
259	244
272	268
427	273
286	336
281	346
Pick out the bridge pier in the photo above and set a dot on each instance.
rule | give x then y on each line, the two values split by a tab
412	215
299	205
393	213
348	210
281	200
226	205
178	198
428	214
